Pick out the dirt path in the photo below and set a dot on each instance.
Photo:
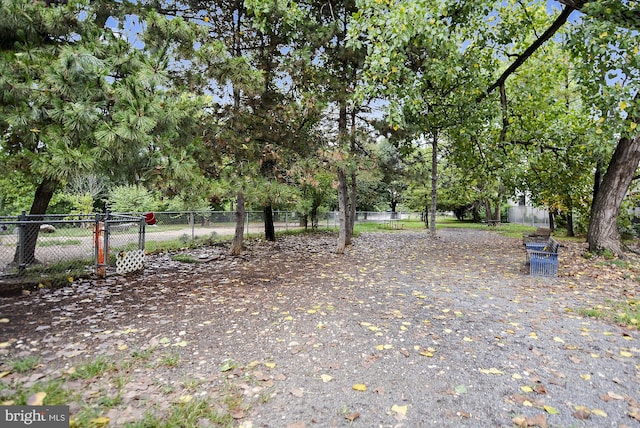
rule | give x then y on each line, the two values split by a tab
401	331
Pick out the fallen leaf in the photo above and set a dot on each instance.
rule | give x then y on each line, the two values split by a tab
36	399
400	410
634	412
526	388
185	399
557	339
4	320
3	374
359	387
599	412
101	421
460	389
525	422
227	365
297	392
582	414
270	365
492	370
615	396
551	410
586	376
238	413
326	378
540	389
352	417
626	354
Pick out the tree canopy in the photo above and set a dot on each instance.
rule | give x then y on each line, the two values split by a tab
265	100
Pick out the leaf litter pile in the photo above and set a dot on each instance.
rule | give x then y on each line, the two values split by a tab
403	330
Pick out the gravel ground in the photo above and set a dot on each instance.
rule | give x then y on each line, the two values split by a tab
403	330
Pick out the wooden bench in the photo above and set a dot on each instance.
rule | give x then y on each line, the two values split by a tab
543	257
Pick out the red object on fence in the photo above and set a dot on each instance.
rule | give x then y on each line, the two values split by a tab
150	218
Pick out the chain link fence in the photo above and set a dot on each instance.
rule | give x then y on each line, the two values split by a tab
53	249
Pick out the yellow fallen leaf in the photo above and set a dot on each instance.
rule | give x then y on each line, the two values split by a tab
533	335
526	388
101	421
467	339
557	339
3	374
360	387
586	376
122	347
4	320
36	399
492	370
4	345
516	376
185	398
551	410
289	318
373	328
401	410
599	412
253	364
326	378
626	354
270	365
7	403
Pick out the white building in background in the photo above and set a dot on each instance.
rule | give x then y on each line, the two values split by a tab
520	212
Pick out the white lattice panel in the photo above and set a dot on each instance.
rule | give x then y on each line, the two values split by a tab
129	261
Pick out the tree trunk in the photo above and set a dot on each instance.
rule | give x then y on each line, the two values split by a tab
353	197
343	213
269	228
314	217
41	200
603	231
552	223
487	210
434	181
570	229
426	217
238	240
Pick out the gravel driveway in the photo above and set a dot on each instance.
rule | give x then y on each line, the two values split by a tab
403	330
